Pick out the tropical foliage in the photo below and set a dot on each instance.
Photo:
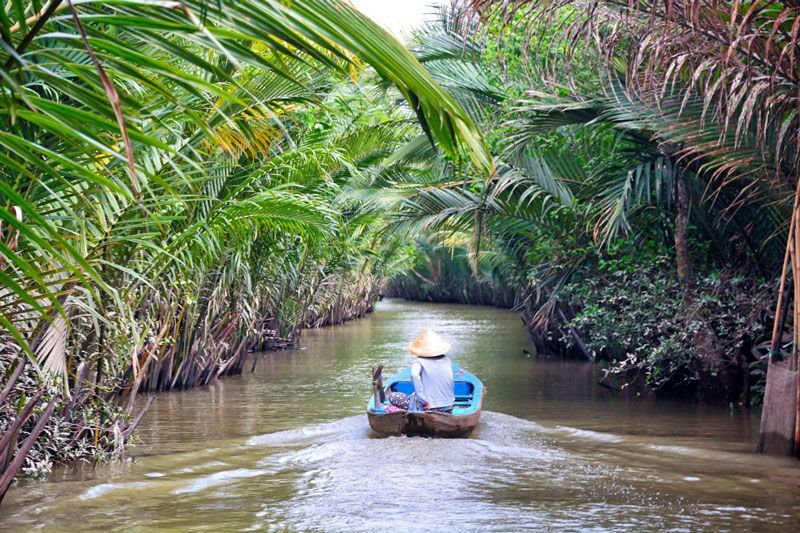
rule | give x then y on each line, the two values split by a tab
443	273
635	142
174	193
184	182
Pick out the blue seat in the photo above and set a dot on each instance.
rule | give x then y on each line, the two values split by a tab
461	389
406	387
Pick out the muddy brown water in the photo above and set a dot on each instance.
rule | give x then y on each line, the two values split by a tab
288	448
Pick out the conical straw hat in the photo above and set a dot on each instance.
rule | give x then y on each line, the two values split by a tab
428	344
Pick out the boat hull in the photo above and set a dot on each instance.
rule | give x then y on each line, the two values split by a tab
423	424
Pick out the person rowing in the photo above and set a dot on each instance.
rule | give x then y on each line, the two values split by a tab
432	375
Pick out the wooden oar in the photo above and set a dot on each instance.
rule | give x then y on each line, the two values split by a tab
377	386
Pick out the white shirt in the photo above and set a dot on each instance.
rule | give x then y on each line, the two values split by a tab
433	381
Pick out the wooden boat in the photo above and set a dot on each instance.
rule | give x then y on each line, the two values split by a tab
469	393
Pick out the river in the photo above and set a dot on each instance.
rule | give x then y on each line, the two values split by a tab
288	448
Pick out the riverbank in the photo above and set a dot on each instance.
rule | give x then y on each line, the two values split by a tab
628	311
97	418
289	446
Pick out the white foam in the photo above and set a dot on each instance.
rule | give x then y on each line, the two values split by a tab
590	435
345	427
99	490
220	478
683	450
203	466
514	422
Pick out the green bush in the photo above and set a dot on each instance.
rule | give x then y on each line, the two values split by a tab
636	320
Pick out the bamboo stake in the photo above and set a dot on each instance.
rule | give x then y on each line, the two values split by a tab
797	409
794	361
792	254
778	335
796	306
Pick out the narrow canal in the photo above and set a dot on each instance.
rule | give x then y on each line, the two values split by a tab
288	448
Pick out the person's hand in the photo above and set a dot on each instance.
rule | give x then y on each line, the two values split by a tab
426	406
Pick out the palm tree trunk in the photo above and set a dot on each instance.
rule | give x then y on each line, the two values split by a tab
703	337
682	257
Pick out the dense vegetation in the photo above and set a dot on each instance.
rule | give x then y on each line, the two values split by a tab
647	156
177	189
181	183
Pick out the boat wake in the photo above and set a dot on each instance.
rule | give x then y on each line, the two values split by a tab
338	476
350	428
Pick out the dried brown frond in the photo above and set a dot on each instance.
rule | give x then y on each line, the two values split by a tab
739	59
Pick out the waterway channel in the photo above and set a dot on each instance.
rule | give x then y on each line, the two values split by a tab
288	448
